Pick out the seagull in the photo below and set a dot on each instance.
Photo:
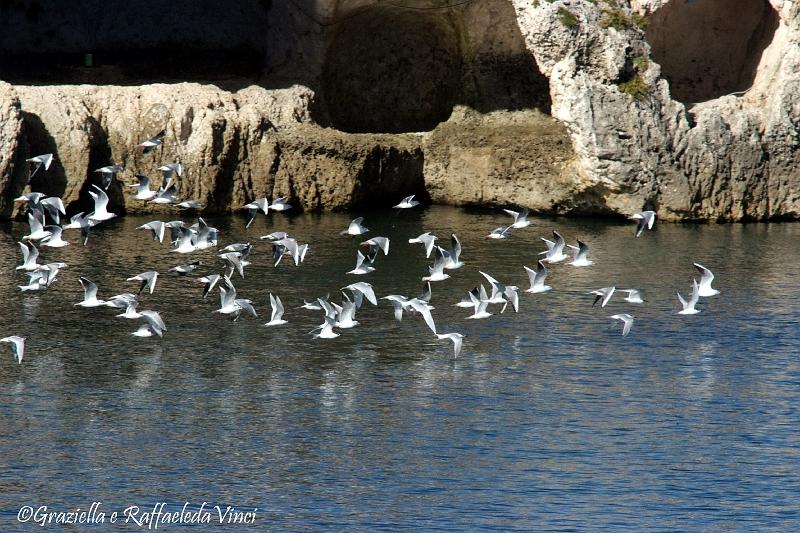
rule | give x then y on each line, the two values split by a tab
157	227
148	280
19	346
143	191
457	339
275	236
100	205
645	219
454	258
580	255
234	261
555	250
362	288
130	309
326	329
520	218
399	303
37	229
40	161
479	303
165	195
29	256
377	242
54	207
363	264
537	278
426	239
706	278
182	270
153	142
260	204
502	294
168	170
89	294
423	308
603	294
689	307
426	292
83	223
280	204
227	298
627	320
277	311
153	324
467	301
190	204
210	282
634	296
54	240
38	279
355	227
407	203
107	174
437	270
346	313
502	232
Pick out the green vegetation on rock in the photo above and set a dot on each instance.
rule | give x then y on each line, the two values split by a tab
567	18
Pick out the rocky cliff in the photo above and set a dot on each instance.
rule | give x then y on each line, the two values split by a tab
689	107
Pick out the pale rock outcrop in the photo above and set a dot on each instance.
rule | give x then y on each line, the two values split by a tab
730	158
233	146
12	149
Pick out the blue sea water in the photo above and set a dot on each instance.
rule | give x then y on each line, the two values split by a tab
549	420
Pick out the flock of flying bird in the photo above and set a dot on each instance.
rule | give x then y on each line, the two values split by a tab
235	258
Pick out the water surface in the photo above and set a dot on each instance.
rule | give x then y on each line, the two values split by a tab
549	419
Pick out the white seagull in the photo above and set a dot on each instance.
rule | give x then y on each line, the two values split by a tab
603	294
100	205
54	240
407	203
457	339
634	296
520	218
148	280
645	219
153	142
581	251
89	294
40	161
502	232
536	278
355	227
689	307
627	321
555	250
19	346
277	311
29	256
363	264
426	239
705	289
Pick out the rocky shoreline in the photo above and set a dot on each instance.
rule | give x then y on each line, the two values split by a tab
591	127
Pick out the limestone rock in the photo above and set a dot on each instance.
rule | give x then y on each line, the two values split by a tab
13	174
569	106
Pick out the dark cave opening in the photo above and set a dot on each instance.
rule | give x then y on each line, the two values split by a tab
710	48
393	70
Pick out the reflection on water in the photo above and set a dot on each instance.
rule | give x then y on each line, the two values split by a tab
548	420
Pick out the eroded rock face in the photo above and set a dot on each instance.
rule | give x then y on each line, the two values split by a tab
560	107
730	158
13	175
